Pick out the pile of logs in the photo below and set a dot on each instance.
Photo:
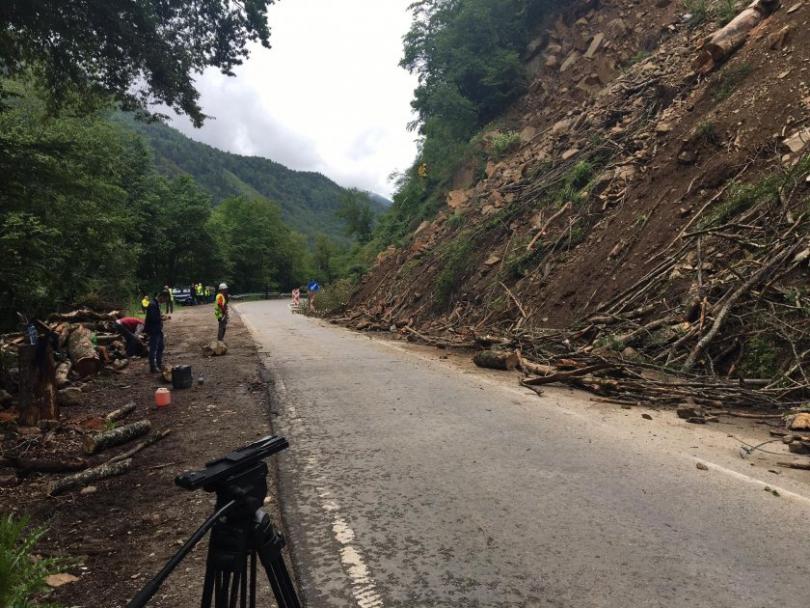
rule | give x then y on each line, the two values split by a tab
70	347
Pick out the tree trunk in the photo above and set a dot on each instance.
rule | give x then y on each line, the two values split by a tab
107	439
728	39
79	480
37	384
495	359
86	361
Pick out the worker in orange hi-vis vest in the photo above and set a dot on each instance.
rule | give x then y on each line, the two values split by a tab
221	310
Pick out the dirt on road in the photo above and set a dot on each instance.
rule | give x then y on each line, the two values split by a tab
121	533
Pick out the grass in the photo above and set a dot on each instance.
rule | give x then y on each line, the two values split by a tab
456	220
707	132
741	197
698	11
726	84
22	573
725	11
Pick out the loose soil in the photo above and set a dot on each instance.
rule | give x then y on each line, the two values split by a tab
122	533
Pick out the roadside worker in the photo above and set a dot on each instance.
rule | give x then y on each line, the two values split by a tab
130	328
198	293
312	292
207	293
221	310
144	302
153	326
168	297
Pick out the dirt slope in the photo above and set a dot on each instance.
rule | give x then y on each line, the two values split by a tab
639	183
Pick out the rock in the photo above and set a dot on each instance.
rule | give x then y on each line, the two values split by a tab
663	127
686	412
617	28
798	141
702	466
492	260
552	61
57	580
800	422
561	126
630	354
570	153
646	417
572	58
120	364
88	490
457	198
527	134
687	157
490	169
625	172
595	44
215	349
68	397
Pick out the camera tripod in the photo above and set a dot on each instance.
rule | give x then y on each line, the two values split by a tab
241	533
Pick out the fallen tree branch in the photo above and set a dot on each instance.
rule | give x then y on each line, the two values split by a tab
121	412
142	445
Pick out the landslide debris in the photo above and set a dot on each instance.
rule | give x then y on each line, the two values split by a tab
642	210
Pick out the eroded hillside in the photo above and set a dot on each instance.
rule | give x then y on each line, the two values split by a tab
651	203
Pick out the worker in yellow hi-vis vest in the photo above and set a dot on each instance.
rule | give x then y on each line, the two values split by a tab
221	310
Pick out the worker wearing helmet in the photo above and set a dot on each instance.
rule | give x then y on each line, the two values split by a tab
221	310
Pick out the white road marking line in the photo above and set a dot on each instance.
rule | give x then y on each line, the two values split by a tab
753	480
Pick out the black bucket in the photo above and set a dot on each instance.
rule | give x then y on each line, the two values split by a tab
182	377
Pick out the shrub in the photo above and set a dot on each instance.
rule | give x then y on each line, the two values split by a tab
726	11
504	143
22	574
334	297
458	259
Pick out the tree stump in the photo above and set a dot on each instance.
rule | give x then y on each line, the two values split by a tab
37	384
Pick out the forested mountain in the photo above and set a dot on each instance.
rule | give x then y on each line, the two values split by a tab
309	201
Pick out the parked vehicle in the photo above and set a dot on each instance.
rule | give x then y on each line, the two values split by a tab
183	296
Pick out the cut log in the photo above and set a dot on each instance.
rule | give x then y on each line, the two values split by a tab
121	412
496	359
795	465
62	372
37	384
48	465
722	43
86	361
143	444
79	480
84	314
107	439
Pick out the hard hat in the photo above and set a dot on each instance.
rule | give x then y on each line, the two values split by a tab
223	286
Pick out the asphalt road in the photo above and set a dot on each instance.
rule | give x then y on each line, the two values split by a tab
412	482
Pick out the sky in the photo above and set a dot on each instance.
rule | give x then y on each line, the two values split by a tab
328	97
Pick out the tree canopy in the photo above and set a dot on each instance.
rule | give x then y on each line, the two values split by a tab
139	51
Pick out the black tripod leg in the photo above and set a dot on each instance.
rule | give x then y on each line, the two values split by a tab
280	581
253	580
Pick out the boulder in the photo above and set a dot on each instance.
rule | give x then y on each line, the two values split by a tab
457	198
800	422
215	349
572	58
798	141
596	43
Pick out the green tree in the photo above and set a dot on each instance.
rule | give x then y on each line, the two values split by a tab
259	250
140	51
324	259
355	210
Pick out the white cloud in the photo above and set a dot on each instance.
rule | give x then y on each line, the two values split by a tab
328	97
